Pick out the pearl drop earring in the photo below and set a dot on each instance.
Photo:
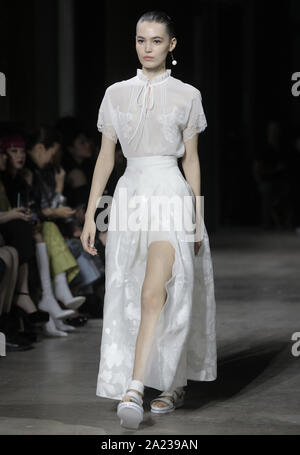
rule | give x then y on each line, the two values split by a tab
174	62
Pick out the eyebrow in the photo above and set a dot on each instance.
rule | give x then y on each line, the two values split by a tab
153	37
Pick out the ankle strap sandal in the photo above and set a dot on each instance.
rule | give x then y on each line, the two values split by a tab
36	318
173	400
131	412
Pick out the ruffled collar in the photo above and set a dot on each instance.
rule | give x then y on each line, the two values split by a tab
157	79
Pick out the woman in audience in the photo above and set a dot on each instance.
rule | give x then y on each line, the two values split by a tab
77	158
50	191
49	245
16	232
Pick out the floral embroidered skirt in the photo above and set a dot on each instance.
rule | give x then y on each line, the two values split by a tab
184	339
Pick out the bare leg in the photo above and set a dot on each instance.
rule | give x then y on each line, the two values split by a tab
6	257
11	279
8	283
161	256
24	301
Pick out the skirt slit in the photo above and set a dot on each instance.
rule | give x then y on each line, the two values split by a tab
184	342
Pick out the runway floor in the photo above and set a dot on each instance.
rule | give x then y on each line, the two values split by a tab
51	389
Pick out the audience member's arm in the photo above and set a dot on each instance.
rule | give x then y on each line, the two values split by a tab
58	212
49	213
16	213
4	217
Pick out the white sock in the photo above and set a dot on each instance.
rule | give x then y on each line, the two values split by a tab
51	330
60	325
61	288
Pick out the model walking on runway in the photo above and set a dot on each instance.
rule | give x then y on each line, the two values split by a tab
159	306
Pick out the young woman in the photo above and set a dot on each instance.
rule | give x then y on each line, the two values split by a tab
159	307
16	232
54	259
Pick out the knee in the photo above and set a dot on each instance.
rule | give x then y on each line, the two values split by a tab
14	253
151	299
5	255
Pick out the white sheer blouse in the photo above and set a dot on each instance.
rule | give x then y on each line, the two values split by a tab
151	117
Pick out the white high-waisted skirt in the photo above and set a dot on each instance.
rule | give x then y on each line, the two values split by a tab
184	338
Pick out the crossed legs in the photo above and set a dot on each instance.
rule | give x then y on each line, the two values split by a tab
161	256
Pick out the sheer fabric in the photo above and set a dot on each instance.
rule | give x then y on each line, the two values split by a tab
152	121
183	344
151	117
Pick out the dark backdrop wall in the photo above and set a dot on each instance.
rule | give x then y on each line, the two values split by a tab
60	55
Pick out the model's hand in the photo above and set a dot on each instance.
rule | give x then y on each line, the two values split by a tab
88	237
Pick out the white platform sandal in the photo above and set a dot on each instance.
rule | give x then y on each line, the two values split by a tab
173	400
131	412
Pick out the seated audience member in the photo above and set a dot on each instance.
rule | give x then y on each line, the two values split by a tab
50	245
77	157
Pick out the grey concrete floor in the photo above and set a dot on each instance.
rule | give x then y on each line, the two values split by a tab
51	388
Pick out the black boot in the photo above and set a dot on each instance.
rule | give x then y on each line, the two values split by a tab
14	340
92	307
38	317
27	329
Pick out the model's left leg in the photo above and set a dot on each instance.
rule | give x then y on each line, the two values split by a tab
161	256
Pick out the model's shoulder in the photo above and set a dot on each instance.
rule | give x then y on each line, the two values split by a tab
121	84
113	87
189	90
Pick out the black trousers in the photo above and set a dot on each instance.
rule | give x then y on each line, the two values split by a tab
18	233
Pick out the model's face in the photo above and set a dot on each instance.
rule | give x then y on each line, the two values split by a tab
152	40
17	157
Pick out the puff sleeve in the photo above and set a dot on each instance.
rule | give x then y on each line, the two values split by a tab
105	118
196	120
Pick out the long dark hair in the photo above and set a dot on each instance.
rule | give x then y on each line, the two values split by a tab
44	134
48	136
